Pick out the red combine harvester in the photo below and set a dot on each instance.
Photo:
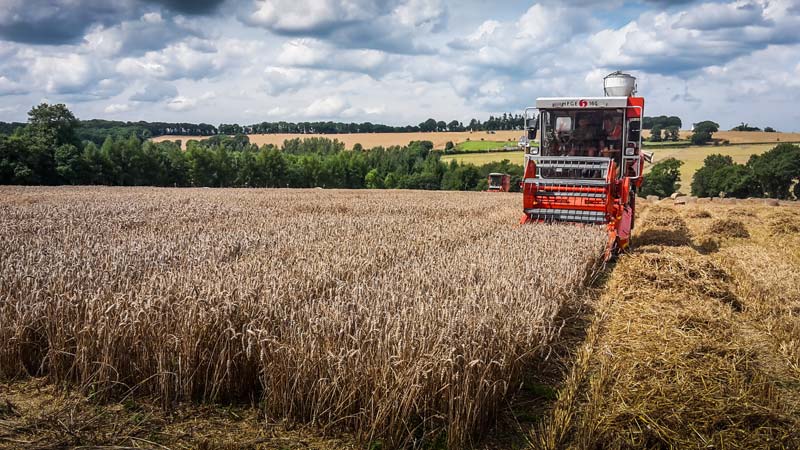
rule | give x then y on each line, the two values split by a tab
589	161
499	182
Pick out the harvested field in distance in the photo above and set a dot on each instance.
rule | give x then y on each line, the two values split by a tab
402	317
369	140
743	137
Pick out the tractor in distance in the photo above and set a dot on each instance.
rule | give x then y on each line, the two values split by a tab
499	182
588	162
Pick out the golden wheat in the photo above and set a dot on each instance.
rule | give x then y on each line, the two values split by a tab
399	316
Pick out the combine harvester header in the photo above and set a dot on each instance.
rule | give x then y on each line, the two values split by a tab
588	164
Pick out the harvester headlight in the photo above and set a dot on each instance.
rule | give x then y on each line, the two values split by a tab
534	150
629	151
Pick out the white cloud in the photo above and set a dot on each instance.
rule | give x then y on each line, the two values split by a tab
192	59
389	25
64	74
155	91
181	103
327	107
421	14
309	16
312	53
117	108
134	37
713	16
396	61
279	80
9	87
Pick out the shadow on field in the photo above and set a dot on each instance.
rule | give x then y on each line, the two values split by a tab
543	379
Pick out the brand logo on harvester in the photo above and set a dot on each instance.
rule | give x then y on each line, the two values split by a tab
582	103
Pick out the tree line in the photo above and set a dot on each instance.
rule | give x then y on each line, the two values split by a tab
507	121
773	174
96	130
49	150
746	127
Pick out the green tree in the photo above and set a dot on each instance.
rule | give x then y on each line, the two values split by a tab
703	132
462	177
69	164
663	178
53	123
720	175
673	133
34	160
428	125
703	184
745	127
98	169
655	134
372	180
777	170
700	138
18	165
706	126
392	181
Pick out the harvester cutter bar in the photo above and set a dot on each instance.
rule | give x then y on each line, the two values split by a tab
566	215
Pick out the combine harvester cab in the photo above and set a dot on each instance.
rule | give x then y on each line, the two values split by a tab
588	163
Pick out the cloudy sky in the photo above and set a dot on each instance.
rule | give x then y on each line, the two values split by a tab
395	61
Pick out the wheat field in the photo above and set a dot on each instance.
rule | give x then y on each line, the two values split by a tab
398	316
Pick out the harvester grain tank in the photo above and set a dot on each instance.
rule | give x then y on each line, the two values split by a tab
588	163
499	182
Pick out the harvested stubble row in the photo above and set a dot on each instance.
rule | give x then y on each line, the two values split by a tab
396	315
692	345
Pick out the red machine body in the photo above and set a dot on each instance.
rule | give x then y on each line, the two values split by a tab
499	182
587	165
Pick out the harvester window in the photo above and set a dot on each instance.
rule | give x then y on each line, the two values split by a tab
634	130
583	133
564	124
